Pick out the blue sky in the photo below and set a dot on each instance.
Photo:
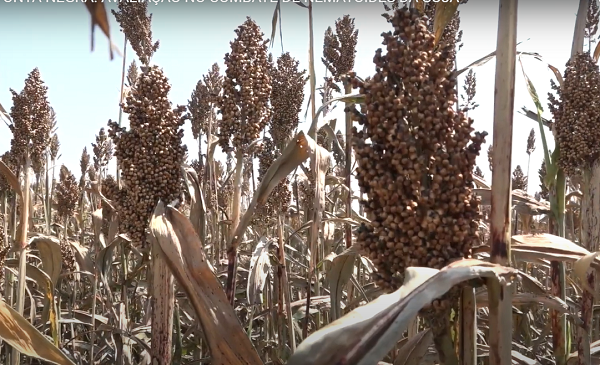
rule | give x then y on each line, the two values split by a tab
84	86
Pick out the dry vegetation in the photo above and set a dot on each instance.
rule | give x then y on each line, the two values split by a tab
260	259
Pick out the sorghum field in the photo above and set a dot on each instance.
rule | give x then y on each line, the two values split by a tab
265	257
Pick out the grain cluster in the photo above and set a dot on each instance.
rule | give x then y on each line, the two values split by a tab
339	48
136	24
30	114
415	156
244	103
286	99
150	153
577	114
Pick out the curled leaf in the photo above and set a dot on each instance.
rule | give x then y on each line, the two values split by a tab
259	270
181	248
23	336
581	269
366	334
11	178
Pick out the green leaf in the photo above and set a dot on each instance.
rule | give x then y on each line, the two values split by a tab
536	100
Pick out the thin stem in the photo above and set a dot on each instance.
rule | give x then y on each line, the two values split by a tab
235	220
22	244
121	99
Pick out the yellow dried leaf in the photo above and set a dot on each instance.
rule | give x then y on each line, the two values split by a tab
181	248
11	178
23	336
443	14
581	268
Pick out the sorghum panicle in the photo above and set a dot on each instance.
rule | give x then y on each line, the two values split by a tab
415	157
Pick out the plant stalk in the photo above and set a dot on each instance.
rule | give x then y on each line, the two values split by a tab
500	295
163	304
123	70
235	220
22	245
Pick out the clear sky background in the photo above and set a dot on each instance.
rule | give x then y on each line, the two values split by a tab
84	86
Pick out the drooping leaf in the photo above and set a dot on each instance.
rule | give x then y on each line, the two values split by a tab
295	153
99	17
197	205
104	259
182	250
259	270
581	269
351	98
46	286
274	23
11	178
413	351
50	254
24	337
485	59
82	256
366	334
342	268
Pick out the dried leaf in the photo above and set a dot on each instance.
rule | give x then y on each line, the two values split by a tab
597	52
557	74
24	337
548	243
350	99
581	269
50	254
3	113
444	12
485	59
11	178
97	222
342	268
197	206
521	201
100	18
45	285
182	250
274	23
415	349
320	159
368	333
296	152
82	257
259	270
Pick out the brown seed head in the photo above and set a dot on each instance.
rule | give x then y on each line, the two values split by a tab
54	147
519	180
67	193
415	156
31	115
103	151
286	99
339	49
577	114
136	23
246	89
150	153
